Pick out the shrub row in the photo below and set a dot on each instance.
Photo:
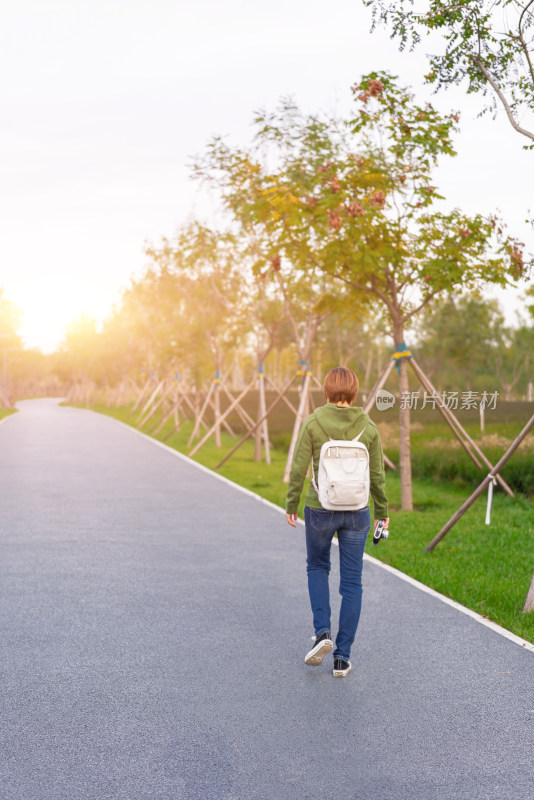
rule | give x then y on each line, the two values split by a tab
454	467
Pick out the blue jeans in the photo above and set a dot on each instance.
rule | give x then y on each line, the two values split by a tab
352	528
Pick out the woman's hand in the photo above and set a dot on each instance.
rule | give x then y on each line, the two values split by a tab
385	521
292	519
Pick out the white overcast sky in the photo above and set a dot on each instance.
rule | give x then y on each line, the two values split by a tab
103	102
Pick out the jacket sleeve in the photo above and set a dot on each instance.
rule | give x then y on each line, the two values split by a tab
378	478
299	467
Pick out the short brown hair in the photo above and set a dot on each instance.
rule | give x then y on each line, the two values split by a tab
341	386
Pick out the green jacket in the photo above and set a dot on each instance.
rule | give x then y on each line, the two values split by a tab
340	422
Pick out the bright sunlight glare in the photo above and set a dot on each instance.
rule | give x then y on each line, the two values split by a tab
47	312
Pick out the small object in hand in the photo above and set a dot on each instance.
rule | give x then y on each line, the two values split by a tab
380	532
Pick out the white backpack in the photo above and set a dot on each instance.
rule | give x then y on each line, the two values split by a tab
343	474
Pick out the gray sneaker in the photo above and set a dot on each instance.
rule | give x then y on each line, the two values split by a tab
323	645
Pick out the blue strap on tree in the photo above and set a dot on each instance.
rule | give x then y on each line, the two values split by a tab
305	368
261	370
401	351
217	378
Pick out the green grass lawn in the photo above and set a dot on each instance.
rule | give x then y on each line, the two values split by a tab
6	412
486	568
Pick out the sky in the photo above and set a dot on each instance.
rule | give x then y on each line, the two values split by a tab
104	104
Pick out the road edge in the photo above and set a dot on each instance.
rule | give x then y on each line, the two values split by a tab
8	416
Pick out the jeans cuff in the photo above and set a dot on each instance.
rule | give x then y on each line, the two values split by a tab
323	630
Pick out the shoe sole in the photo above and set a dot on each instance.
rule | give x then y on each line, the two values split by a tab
315	657
340	673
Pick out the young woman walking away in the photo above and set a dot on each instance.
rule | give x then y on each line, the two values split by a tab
337	419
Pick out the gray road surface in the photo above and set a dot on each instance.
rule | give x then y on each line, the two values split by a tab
153	626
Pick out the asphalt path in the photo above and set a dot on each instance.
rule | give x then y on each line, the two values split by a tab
154	622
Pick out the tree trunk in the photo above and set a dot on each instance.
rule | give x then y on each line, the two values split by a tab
299	419
217	399
262	431
264	426
529	602
258	434
217	417
379	357
200	413
368	367
405	461
307	403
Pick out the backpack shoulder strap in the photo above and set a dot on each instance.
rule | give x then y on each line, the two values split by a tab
357	438
313	481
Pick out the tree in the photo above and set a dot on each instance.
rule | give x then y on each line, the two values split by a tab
358	343
354	199
79	348
529	300
205	261
248	186
514	360
265	314
259	200
396	245
488	43
155	316
10	319
10	340
462	337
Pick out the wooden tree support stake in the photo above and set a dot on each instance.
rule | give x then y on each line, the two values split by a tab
378	385
447	415
249	433
183	399
200	416
369	403
141	396
150	400
481	488
175	402
301	413
529	602
288	402
220	420
453	421
155	407
243	415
